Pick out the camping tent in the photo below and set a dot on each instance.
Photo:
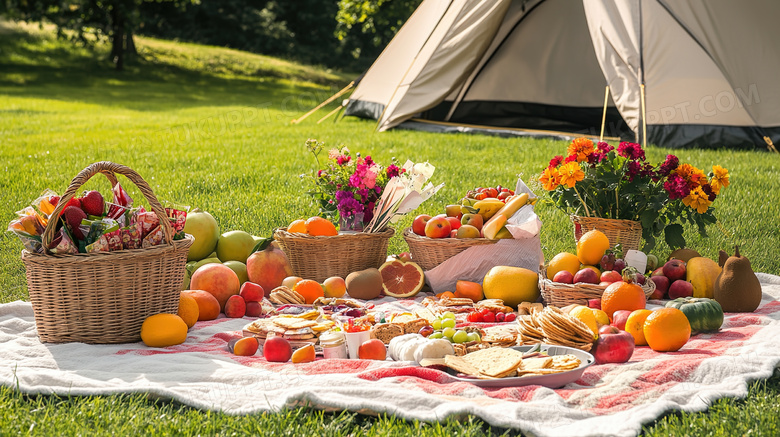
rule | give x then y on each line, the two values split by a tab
709	69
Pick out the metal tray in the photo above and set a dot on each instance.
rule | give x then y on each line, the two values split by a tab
555	380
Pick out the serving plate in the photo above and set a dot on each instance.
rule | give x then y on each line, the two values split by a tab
555	380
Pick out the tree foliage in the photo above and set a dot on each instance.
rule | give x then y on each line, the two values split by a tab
366	26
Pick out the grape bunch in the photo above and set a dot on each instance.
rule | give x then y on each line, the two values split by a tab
444	327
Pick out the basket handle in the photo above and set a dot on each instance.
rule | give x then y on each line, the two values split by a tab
109	169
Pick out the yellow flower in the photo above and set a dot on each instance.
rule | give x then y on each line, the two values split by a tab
550	178
570	174
698	200
582	148
720	178
692	175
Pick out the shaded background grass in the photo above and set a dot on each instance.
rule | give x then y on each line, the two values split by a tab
209	127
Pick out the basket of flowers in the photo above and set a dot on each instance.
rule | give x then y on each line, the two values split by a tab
363	197
630	199
98	275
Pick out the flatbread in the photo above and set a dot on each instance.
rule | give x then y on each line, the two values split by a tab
496	362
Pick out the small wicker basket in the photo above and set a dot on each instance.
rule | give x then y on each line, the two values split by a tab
626	232
430	252
321	257
560	294
104	297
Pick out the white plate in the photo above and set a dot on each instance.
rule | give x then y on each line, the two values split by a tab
555	380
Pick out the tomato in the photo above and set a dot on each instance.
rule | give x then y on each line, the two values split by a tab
491	192
503	195
481	196
510	317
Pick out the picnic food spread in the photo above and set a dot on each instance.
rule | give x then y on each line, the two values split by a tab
515	323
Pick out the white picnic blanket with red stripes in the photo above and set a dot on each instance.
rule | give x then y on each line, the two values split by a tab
607	400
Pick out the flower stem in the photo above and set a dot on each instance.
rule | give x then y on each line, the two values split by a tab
587	213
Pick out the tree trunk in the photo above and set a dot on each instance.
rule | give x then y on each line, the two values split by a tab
130	43
117	39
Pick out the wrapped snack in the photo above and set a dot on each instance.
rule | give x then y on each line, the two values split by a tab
178	218
148	221
120	206
154	238
46	202
114	239
63	244
99	245
131	237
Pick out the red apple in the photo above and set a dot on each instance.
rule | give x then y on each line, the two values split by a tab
373	349
235	307
680	288
454	223
619	319
674	270
594	303
611	276
405	256
613	346
418	225
251	292
586	275
277	349
661	286
454	233
475	220
438	227
564	276
254	309
657	272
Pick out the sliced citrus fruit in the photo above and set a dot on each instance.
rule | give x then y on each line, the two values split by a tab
304	354
401	279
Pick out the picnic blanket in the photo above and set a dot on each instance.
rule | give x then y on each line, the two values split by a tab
608	400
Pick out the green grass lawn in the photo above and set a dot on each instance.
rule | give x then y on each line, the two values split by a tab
209	127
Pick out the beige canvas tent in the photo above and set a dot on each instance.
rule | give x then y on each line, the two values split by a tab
710	70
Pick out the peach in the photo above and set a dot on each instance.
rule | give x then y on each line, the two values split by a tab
334	286
475	220
373	349
438	227
467	231
304	354
268	268
251	292
290	281
235	307
611	276
419	223
277	349
218	279
208	305
245	347
254	309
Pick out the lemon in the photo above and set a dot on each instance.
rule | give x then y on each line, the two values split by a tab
161	330
586	316
563	261
592	246
601	317
511	284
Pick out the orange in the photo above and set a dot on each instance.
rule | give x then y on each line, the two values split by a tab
208	305
471	290
592	246
622	296
297	226
161	330
188	310
635	326
318	226
310	290
667	330
447	294
563	261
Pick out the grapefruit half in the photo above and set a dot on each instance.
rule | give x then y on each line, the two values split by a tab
401	279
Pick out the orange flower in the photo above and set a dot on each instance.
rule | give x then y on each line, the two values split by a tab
692	175
580	147
570	174
698	200
720	178
550	178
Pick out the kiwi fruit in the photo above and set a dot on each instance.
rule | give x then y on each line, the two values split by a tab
683	255
364	284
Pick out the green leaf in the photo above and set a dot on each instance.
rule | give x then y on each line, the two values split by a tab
673	234
648	218
262	244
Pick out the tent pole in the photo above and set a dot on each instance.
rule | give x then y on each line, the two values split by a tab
644	115
604	114
328	100
330	114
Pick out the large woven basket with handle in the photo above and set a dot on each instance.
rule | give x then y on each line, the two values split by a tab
430	252
626	232
104	297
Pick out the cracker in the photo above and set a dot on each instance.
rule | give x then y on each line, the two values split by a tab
535	363
294	322
461	365
496	362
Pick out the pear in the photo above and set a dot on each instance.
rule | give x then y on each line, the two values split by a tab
737	288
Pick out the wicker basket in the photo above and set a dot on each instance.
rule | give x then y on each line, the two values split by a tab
626	232
104	297
560	294
430	252
321	257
